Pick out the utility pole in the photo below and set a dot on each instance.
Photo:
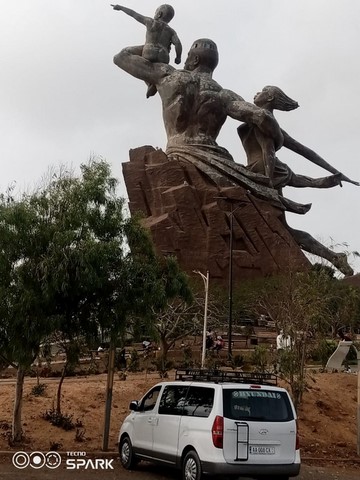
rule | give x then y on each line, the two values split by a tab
206	285
224	203
230	283
358	401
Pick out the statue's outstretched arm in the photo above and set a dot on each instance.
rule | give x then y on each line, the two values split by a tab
137	16
306	152
139	67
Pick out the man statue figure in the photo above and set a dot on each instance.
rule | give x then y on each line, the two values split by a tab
195	108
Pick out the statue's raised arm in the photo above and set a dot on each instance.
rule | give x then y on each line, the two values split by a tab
136	16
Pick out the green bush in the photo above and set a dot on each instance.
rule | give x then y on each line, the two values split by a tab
134	361
62	420
39	390
323	351
162	366
260	358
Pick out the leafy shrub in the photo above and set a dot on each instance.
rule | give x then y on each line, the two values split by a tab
238	361
323	351
188	358
260	358
134	361
39	390
62	420
162	366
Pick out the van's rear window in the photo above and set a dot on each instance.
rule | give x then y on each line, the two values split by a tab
257	405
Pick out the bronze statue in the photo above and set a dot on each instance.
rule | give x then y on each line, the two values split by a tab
195	108
261	156
159	37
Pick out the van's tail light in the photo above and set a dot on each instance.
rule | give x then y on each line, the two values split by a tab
297	442
218	432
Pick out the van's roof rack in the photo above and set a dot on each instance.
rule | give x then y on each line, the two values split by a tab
204	375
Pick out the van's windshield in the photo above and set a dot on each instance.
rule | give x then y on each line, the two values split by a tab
257	405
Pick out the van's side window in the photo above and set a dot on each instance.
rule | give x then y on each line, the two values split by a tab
199	402
149	401
172	400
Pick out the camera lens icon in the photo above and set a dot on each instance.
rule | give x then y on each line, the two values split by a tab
21	460
37	460
53	460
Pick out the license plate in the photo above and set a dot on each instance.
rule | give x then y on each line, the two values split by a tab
262	450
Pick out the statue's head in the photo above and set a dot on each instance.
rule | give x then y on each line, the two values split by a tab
274	98
165	13
203	52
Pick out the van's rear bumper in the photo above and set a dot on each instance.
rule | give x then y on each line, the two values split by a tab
291	470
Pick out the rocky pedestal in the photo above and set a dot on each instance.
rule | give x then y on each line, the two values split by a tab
189	218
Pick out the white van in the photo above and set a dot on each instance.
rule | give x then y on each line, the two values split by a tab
217	423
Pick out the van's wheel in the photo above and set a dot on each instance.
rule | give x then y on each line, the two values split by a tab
127	457
191	466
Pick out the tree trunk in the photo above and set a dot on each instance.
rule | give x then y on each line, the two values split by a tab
16	424
109	395
58	394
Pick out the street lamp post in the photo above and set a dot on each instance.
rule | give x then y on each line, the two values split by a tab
230	283
206	285
358	401
233	208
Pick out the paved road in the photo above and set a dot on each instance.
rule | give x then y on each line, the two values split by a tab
149	472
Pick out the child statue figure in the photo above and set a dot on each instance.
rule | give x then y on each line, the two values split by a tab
159	37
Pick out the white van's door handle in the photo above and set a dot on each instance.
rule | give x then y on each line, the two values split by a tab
153	421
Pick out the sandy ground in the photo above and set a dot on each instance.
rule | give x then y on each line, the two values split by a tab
327	417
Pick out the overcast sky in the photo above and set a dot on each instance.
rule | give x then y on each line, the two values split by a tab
63	99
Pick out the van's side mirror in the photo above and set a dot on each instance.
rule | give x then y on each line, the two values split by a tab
134	405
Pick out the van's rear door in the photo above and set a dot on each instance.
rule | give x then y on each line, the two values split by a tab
259	426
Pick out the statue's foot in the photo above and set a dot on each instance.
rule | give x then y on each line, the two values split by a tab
151	91
295	207
333	180
340	262
307	207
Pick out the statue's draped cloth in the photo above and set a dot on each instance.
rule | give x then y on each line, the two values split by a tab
218	165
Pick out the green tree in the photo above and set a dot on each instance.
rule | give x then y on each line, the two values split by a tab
24	311
299	304
71	262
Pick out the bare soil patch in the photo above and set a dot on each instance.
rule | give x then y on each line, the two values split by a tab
327	417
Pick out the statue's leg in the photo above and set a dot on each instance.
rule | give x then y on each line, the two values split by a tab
154	54
136	50
301	181
309	244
